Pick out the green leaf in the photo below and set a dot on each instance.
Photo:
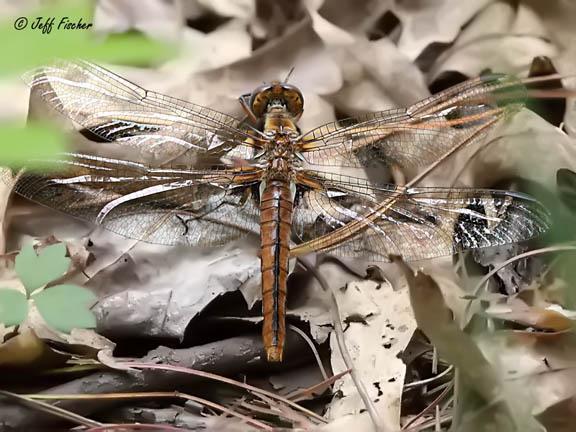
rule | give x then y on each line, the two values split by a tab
65	307
32	146
13	307
36	271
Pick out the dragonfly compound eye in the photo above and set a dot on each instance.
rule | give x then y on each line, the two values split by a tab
275	95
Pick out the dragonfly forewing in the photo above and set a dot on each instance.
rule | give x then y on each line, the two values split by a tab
417	135
110	108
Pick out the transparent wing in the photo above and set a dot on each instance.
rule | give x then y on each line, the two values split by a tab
113	109
419	134
351	217
156	205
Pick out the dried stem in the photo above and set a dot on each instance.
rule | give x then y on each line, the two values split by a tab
312	347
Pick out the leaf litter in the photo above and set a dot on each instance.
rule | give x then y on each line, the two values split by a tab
503	360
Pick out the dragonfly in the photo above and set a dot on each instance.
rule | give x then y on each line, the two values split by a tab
167	171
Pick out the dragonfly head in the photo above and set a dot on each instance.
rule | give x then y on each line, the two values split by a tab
277	96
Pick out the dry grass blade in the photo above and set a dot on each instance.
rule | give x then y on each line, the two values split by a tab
429	380
147	395
50	409
430	407
135	426
288	413
209	375
312	347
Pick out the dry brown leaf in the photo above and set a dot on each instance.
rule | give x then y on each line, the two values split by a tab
381	326
538	318
199	51
425	22
378	77
542	370
27	350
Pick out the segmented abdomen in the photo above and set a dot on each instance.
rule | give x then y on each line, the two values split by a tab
275	227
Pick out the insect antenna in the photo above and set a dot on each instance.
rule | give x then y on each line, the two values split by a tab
289	74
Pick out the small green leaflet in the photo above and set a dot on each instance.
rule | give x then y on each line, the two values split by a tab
65	307
13	307
36	271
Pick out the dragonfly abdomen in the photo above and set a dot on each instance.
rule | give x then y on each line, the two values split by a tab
275	228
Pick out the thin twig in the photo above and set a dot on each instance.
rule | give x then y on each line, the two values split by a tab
435	361
295	396
312	347
339	331
146	395
449	153
208	375
432	422
137	426
429	380
288	413
51	409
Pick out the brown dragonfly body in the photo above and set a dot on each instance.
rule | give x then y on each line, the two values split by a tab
166	171
280	105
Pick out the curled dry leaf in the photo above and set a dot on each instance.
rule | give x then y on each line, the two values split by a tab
558	18
151	290
26	350
425	22
537	318
378	77
227	44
